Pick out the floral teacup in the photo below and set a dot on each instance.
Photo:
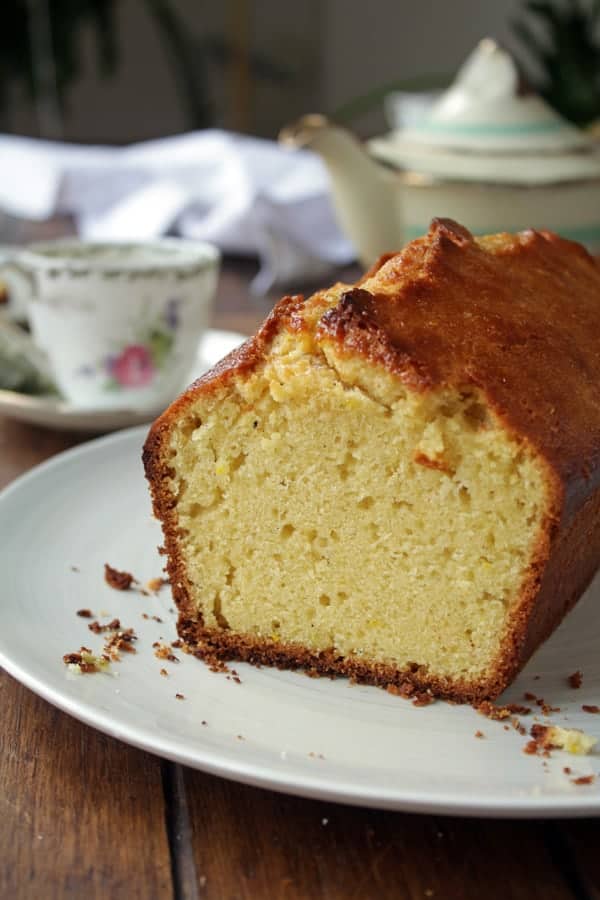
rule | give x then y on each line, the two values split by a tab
119	322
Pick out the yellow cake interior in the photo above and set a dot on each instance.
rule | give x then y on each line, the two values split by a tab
323	504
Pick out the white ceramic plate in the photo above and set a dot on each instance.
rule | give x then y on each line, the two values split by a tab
316	737
50	412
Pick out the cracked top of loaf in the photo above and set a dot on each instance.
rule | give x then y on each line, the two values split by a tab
516	317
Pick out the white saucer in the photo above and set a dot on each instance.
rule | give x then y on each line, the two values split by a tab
53	412
61	522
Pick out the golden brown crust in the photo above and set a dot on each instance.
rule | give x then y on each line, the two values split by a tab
211	644
516	317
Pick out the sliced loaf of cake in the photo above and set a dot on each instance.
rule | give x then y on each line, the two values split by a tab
397	480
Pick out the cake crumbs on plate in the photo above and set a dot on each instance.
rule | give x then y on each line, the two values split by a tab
85	613
240	737
74	568
97	628
498	713
120	581
164	673
179	697
122	639
204	722
163	651
85	662
479	734
423	698
212	660
408	691
583	779
552	737
590	708
155	584
575	680
405	689
546	708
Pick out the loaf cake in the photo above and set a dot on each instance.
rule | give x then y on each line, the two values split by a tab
395	481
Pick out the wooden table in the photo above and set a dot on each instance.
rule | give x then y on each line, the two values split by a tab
84	816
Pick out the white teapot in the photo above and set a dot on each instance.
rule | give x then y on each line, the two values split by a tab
488	153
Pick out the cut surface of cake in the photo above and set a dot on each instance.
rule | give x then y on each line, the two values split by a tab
397	480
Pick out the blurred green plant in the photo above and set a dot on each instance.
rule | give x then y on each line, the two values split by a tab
23	40
41	51
561	38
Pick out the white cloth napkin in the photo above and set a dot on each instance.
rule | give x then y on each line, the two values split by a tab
247	195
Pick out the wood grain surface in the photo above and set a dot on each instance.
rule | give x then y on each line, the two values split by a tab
84	816
292	848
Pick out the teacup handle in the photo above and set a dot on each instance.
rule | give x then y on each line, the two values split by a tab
23	344
21	285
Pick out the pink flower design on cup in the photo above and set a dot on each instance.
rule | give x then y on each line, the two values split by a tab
133	367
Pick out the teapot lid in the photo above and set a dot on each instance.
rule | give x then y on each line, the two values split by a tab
489	107
488	127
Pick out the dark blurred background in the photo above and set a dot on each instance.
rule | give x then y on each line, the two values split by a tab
126	70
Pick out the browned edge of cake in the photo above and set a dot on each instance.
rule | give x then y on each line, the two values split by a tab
563	563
